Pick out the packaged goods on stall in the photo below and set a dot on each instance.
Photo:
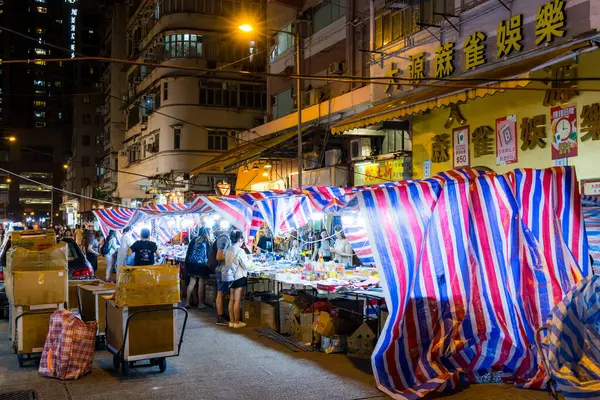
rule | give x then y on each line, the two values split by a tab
362	342
334	344
335	322
148	285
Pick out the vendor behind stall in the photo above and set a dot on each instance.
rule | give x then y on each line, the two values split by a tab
323	248
146	251
342	251
265	243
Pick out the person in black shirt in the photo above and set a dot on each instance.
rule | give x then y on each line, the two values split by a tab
265	243
145	250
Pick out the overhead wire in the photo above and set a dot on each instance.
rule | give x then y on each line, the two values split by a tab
182	120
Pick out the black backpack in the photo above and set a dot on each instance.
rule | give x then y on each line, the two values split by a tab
212	257
105	247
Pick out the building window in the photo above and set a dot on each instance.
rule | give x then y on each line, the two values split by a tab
40	52
325	13
217	140
39	124
165	91
183	45
282	104
395	25
219	94
253	96
86	119
39	114
42	10
40	62
86	140
40	31
40	1
39	103
58	83
85	161
283	41
86	99
59	115
39	83
176	138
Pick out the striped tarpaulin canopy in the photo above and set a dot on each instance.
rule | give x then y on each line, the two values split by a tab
471	266
573	343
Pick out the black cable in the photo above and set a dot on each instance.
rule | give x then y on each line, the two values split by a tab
179	119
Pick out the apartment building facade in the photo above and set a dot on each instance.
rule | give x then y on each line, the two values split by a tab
493	116
191	104
333	36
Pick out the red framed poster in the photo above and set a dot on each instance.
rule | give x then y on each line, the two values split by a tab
506	140
461	146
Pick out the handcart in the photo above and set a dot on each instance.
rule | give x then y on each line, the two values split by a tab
143	333
30	328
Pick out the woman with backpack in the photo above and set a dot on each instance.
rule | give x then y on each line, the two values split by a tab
109	251
196	265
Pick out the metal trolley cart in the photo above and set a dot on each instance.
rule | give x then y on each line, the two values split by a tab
30	328
143	333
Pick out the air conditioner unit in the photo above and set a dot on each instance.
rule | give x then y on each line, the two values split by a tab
336	68
396	4
333	157
360	148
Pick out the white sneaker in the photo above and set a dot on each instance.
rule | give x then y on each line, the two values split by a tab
202	306
239	325
231	325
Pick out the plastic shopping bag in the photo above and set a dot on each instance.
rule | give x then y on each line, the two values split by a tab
69	348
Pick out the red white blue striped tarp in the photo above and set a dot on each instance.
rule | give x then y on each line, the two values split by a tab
572	346
470	270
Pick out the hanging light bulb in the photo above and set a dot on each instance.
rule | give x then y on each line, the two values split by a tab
268	165
265	174
255	167
245	168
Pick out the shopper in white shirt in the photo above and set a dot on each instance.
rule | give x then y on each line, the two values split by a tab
236	271
125	243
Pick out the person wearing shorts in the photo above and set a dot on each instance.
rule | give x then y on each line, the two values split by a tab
236	260
222	244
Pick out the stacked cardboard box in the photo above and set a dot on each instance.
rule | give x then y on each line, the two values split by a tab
147	286
36	286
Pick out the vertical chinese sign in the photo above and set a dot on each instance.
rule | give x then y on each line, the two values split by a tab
564	131
506	140
461	146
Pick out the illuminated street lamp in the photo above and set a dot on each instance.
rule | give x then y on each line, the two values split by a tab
8	180
247	28
11	139
66	166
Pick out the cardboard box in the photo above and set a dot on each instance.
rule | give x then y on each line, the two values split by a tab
52	258
362	342
151	334
268	315
30	327
33	240
24	288
72	303
148	285
93	307
326	325
252	311
306	327
334	344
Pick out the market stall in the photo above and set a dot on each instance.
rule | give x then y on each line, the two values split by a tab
451	252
